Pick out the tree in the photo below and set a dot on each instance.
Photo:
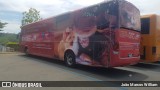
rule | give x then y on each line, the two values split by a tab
31	16
2	25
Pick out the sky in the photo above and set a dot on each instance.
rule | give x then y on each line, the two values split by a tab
11	10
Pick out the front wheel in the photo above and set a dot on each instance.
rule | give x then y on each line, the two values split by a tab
69	58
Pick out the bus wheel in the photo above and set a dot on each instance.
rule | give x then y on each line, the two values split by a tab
69	58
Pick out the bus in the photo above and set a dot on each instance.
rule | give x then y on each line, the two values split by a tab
150	38
102	35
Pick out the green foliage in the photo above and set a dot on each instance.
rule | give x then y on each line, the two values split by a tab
14	45
2	25
8	37
31	16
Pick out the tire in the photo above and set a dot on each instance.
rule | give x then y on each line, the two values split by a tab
69	58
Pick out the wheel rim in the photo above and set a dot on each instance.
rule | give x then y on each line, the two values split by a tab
69	59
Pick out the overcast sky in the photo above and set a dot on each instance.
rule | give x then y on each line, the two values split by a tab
11	10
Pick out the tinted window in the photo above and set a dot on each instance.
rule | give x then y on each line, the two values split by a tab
106	15
145	25
61	18
62	21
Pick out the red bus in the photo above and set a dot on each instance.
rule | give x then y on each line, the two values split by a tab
102	35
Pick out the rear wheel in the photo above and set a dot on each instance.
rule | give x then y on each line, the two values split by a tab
69	58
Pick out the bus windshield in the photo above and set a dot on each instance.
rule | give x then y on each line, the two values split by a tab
129	16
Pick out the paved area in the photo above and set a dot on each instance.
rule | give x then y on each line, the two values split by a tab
19	67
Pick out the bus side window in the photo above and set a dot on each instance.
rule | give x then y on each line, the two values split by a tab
62	21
